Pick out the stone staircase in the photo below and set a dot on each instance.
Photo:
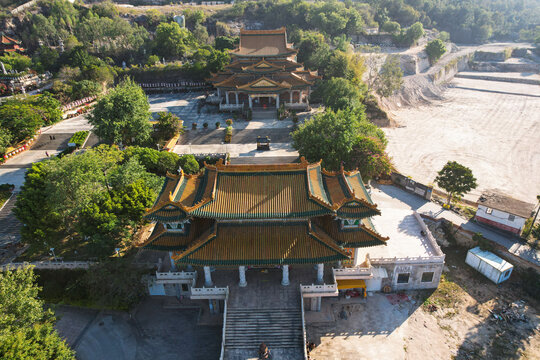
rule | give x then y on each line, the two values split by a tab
268	114
279	329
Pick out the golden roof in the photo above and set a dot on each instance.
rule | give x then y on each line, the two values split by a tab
263	43
261	243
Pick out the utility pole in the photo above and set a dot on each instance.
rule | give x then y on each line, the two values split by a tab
535	216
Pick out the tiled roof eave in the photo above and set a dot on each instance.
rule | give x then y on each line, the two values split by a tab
256	262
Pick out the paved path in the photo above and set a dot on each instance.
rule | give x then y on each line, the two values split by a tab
9	225
52	140
422	206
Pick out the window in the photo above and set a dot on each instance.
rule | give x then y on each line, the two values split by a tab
347	224
179	227
403	278
489	210
427	277
511	217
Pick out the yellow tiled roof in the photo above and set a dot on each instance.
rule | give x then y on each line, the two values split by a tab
261	243
299	190
364	236
161	239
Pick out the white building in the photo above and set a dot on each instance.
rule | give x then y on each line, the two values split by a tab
503	212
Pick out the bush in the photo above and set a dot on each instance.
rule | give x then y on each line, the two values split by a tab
391	27
218	124
205	125
435	49
228	134
79	137
189	164
194	126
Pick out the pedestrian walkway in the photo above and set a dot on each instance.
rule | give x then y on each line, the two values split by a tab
9	224
404	199
239	150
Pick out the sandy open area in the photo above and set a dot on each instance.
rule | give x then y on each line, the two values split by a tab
491	127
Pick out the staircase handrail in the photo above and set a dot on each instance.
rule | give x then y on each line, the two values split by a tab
304	339
224	324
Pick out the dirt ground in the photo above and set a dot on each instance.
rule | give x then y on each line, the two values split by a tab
491	127
404	327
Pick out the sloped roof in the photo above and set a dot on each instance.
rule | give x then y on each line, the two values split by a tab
263	43
261	243
298	190
161	239
363	236
507	204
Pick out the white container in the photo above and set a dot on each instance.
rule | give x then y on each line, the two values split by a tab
489	264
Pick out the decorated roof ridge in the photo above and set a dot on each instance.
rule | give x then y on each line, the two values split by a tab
374	233
202	240
281	30
163	205
262	78
205	200
300	78
221	167
10	39
311	193
233	76
156	232
263	61
323	237
172	194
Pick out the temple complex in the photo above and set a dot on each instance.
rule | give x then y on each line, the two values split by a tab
270	241
263	74
8	44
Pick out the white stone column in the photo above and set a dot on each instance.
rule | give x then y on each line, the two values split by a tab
236	95
277	102
242	273
227	97
173	266
250	102
218	92
290	97
207	277
320	273
285	280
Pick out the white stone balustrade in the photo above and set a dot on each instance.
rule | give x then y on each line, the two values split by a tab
353	273
315	290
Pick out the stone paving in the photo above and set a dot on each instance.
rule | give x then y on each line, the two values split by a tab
9	224
150	331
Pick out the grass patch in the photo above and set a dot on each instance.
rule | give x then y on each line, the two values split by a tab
447	295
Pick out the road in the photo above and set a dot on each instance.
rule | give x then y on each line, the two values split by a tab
52	140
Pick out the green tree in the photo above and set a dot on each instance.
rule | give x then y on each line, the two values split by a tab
189	164
168	125
84	88
455	179
152	60
15	61
391	27
122	116
5	141
414	32
338	93
20	119
390	78
435	49
172	41
312	49
26	330
224	42
32	202
200	34
343	137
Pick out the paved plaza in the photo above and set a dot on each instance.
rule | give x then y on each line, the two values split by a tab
150	331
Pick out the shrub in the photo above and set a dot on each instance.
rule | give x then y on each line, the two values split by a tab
391	27
218	124
205	125
194	126
189	164
435	49
228	134
79	137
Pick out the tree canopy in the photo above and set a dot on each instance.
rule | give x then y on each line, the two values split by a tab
26	329
435	49
122	116
338	93
96	198
343	137
455	179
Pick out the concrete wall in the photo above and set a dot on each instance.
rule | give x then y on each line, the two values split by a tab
415	277
447	72
411	185
501	219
